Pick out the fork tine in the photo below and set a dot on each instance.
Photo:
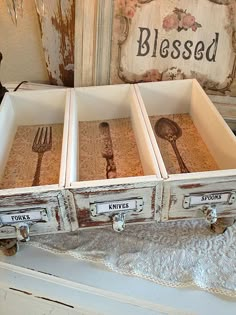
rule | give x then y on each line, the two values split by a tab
36	137
50	136
40	136
45	136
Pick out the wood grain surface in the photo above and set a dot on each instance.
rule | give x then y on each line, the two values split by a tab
57	32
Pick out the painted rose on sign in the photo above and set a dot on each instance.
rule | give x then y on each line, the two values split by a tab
180	20
151	76
127	8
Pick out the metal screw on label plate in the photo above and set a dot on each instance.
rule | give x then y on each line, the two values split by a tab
140	204
93	210
232	198
186	202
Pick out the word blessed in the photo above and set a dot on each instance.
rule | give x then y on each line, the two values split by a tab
176	48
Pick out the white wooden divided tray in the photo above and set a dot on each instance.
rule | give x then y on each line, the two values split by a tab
110	155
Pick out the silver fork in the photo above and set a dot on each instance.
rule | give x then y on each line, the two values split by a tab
42	143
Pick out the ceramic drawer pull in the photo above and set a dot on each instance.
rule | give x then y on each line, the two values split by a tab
118	222
210	214
116	210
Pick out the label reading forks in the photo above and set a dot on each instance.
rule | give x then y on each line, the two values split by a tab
41	144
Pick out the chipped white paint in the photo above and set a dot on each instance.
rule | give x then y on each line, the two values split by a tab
51	198
57	31
114	102
54	202
176	188
162	194
220	141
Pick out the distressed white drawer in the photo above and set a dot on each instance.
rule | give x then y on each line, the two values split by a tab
113	177
191	197
44	212
33	150
104	205
195	149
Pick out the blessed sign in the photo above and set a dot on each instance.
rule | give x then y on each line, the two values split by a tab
157	40
175	49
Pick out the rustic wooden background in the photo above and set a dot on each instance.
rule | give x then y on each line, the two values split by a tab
58	35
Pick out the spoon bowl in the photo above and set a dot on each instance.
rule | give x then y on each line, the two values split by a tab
170	131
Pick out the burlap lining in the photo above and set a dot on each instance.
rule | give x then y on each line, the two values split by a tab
22	161
92	164
192	148
20	168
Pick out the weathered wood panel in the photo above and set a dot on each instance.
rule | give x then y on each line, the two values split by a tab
61	216
93	33
177	188
57	31
150	192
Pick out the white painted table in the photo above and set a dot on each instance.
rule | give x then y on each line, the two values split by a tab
39	282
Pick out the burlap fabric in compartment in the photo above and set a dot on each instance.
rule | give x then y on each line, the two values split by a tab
22	161
92	165
192	148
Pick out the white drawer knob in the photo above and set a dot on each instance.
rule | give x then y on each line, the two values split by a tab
22	231
118	222
210	214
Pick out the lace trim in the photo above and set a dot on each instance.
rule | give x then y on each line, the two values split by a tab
175	254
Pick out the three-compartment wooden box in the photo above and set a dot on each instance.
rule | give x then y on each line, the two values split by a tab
110	155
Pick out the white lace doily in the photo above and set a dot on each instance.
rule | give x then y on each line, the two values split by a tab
176	254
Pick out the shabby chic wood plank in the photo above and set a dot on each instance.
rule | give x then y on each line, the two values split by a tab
57	24
93	28
103	42
55	202
85	47
177	187
151	197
